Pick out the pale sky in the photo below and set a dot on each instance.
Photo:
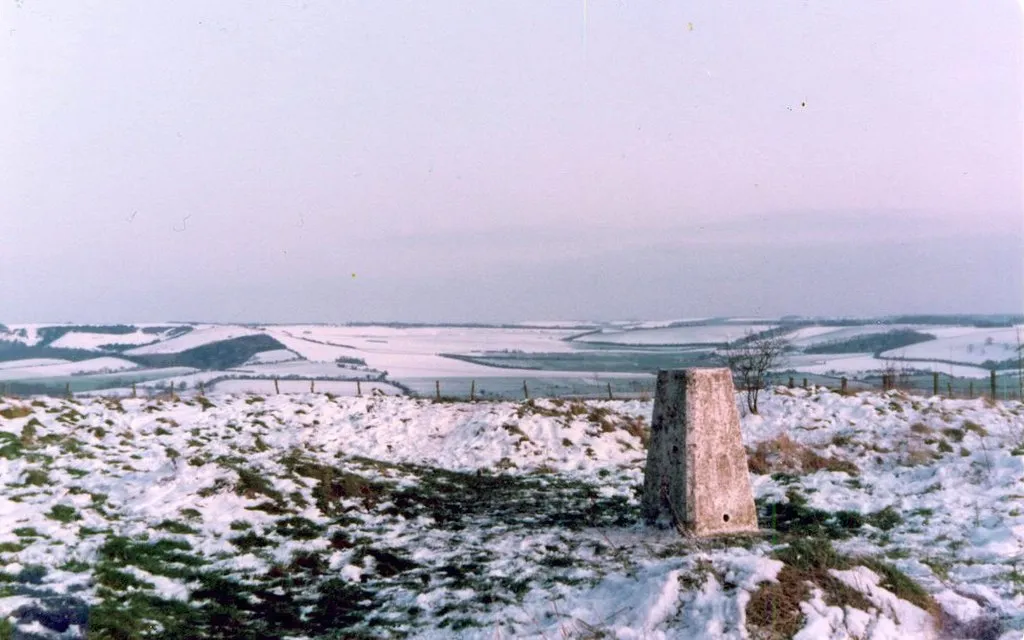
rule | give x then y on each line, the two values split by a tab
503	161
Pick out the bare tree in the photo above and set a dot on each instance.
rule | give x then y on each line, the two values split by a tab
751	358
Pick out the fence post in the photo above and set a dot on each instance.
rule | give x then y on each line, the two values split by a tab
277	389
67	390
526	391
992	382
805	383
312	388
359	389
970	389
935	383
842	385
949	389
610	391
472	391
437	390
134	393
202	389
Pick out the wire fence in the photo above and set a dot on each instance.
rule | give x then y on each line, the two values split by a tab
1006	386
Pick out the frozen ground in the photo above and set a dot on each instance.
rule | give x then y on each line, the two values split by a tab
312	515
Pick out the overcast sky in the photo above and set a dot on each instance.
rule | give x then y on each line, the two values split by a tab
498	161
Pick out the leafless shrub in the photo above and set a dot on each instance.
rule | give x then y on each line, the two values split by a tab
751	358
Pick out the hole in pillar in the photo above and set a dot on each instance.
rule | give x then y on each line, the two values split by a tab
725	517
675	449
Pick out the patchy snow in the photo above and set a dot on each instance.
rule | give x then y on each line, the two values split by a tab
817	335
397	516
31	331
198	337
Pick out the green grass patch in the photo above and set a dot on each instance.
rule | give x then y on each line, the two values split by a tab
173	526
63	513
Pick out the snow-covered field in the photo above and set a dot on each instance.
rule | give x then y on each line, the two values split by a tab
62	369
414	352
198	337
314	515
676	335
338	387
816	335
95	341
37	358
854	364
961	345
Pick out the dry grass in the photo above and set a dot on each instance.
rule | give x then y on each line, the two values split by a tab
773	611
783	454
916	456
14	412
921	428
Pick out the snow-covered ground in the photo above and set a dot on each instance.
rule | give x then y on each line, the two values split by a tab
676	335
30	363
338	387
816	335
198	337
414	352
313	515
273	356
858	364
94	341
960	345
63	369
31	335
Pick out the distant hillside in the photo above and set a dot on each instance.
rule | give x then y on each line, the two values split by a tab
225	354
873	342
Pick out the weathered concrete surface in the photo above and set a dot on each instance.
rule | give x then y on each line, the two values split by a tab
696	473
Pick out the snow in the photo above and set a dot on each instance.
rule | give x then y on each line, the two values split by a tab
305	369
94	365
854	364
817	335
337	387
29	363
709	334
414	352
94	341
273	356
961	345
127	467
198	337
32	336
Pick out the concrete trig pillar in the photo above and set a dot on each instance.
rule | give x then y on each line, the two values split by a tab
696	475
